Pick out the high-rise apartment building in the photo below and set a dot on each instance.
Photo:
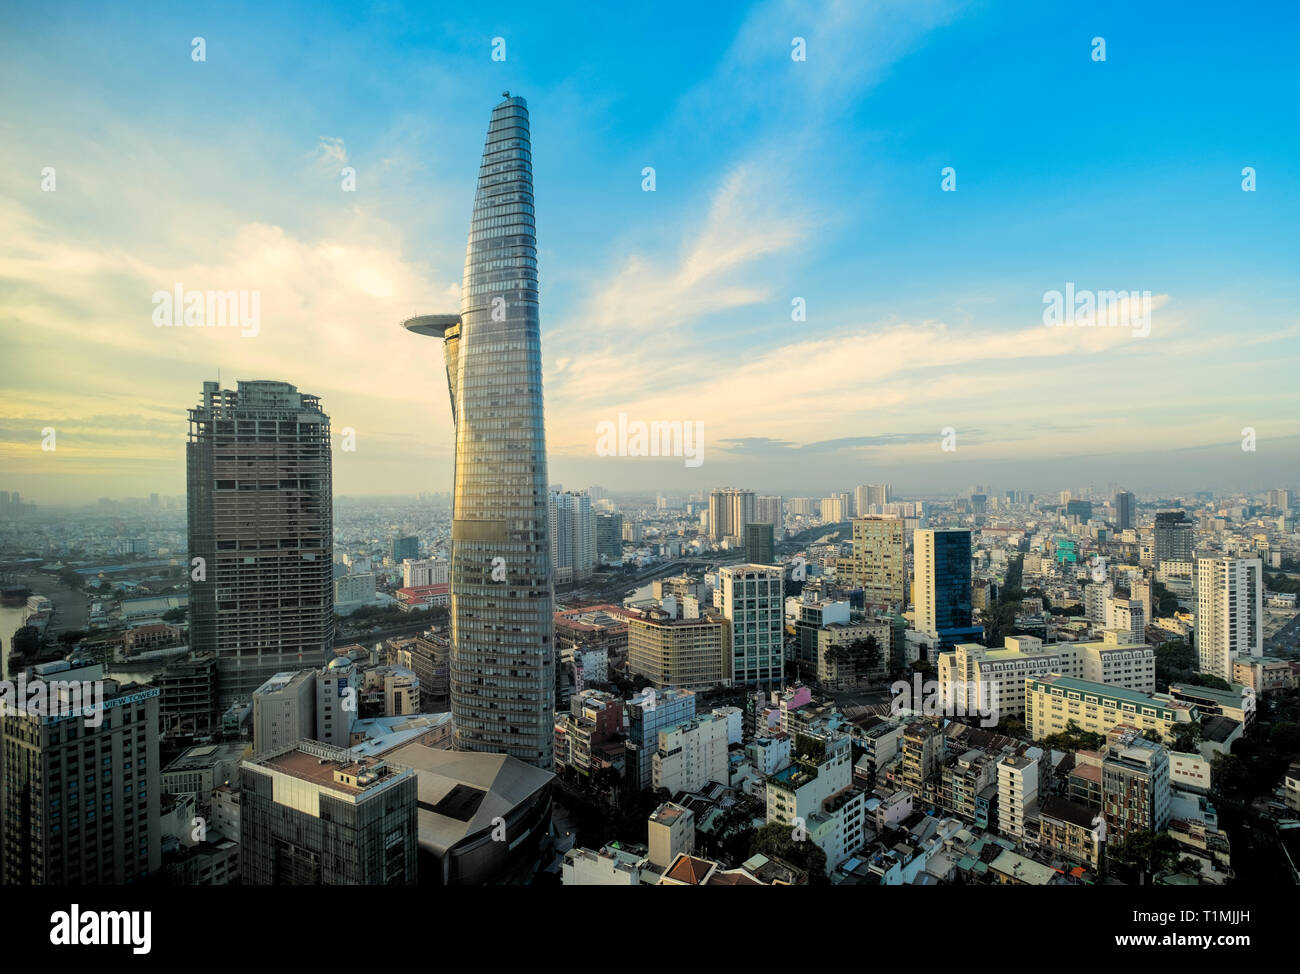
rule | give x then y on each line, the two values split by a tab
1229	612
878	560
79	801
503	652
730	509
837	507
769	509
1175	537
803	506
752	599
573	536
943	585
260	518
870	499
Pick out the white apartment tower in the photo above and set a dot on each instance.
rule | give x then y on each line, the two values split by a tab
573	536
1229	609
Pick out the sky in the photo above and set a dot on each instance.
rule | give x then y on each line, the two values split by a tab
775	180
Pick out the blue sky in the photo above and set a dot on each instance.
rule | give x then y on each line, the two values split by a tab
775	179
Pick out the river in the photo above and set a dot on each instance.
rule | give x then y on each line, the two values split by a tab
71	611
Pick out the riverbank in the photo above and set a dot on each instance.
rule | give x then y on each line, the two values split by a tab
71	611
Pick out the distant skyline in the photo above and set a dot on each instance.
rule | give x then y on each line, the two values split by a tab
775	180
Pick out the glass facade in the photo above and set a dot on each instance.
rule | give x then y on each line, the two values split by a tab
952	592
503	652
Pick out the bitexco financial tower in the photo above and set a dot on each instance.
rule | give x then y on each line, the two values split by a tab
502	628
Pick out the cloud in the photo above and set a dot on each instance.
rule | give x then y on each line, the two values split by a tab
331	151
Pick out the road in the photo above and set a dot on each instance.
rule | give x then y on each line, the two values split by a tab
421	622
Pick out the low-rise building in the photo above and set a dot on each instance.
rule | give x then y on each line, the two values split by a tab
1017	792
1054	702
993	680
611	866
200	769
1135	787
1263	674
1075	831
671	832
692	754
815	793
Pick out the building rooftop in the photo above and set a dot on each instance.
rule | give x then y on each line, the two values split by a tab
1067	811
1025	870
668	813
281	680
329	768
1136	697
1224	698
205	756
459	793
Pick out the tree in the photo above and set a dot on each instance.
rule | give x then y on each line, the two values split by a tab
1187	736
776	840
1213	682
1011	727
1075	738
1166	603
1145	852
1174	654
1231	775
1286	737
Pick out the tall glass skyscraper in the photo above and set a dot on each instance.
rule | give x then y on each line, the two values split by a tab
502	628
943	585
